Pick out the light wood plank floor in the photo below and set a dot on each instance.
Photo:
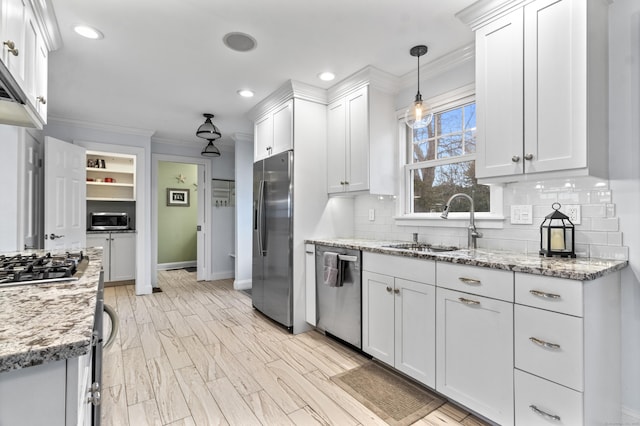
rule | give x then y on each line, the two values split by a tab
199	354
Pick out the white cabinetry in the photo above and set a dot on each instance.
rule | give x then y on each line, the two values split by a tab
118	255
38	395
398	314
541	78
361	138
26	42
474	341
567	338
116	181
274	131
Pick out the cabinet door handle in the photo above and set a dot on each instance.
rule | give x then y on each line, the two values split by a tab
544	295
544	344
11	47
528	157
389	289
515	158
396	291
42	100
470	281
346	182
544	414
468	301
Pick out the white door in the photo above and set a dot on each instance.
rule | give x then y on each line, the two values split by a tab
378	316
202	273
64	195
357	153
31	192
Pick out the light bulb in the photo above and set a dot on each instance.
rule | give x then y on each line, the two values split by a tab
418	111
418	116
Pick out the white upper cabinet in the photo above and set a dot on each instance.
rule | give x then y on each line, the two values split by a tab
541	82
28	33
274	131
361	133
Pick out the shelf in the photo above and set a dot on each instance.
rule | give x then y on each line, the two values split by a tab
109	199
129	185
107	170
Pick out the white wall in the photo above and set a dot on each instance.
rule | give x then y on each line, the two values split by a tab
624	166
244	210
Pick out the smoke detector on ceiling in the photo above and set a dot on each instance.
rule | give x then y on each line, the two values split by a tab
240	42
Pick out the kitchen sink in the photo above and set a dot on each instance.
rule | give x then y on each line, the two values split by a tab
427	248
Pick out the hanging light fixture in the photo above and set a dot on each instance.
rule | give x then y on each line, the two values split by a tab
416	116
208	130
210	150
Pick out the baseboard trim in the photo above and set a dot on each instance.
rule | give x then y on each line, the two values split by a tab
630	417
119	283
241	284
176	265
224	275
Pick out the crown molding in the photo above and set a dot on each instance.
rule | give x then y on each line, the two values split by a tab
368	75
483	11
53	120
289	90
440	65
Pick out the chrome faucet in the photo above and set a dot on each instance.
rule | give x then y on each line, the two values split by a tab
472	232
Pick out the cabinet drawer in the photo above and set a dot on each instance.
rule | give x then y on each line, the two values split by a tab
537	400
554	294
473	279
420	270
557	351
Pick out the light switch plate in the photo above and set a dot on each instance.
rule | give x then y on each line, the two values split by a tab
522	214
372	215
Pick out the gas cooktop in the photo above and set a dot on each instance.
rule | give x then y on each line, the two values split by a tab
21	269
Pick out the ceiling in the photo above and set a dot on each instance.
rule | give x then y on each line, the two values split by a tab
161	64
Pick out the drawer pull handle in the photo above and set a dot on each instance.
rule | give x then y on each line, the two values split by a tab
544	295
468	301
544	414
544	344
470	281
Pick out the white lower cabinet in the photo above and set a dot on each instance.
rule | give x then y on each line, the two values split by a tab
118	255
474	362
398	315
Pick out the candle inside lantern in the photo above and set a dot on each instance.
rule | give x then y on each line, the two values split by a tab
557	239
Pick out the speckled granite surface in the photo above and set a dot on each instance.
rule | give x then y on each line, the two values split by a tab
575	269
48	322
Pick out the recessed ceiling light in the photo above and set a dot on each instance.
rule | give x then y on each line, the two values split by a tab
245	93
88	32
326	76
240	42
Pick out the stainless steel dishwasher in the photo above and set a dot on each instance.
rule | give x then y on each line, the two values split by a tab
339	309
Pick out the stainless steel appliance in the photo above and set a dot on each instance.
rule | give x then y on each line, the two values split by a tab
34	268
108	221
339	309
272	269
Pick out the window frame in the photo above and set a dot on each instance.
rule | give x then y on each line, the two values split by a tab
492	219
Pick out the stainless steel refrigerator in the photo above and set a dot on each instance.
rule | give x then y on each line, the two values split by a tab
272	277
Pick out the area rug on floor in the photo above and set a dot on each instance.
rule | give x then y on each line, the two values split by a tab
191	269
393	398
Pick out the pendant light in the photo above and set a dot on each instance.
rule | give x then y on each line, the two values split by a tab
416	116
210	150
208	130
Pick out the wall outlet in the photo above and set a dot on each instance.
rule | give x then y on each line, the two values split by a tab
573	211
372	215
522	214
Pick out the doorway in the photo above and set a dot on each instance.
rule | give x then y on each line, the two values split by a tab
181	231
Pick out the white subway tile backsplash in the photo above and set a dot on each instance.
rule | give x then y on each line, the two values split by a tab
600	197
611	210
614	238
604	224
594	210
591	238
609	252
569	197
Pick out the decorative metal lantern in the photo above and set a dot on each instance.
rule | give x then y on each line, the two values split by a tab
557	234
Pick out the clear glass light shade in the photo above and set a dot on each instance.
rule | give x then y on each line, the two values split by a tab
210	150
418	115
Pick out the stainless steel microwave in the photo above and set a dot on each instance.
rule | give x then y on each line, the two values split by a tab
106	221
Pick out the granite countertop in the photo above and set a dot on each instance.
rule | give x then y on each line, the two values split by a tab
40	323
112	231
582	269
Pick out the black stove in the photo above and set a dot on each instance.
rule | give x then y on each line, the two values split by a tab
41	268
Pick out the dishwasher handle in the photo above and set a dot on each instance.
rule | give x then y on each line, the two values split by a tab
347	258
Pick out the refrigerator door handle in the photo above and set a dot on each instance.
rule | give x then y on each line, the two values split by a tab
261	219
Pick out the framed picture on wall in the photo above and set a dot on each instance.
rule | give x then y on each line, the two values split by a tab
177	197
